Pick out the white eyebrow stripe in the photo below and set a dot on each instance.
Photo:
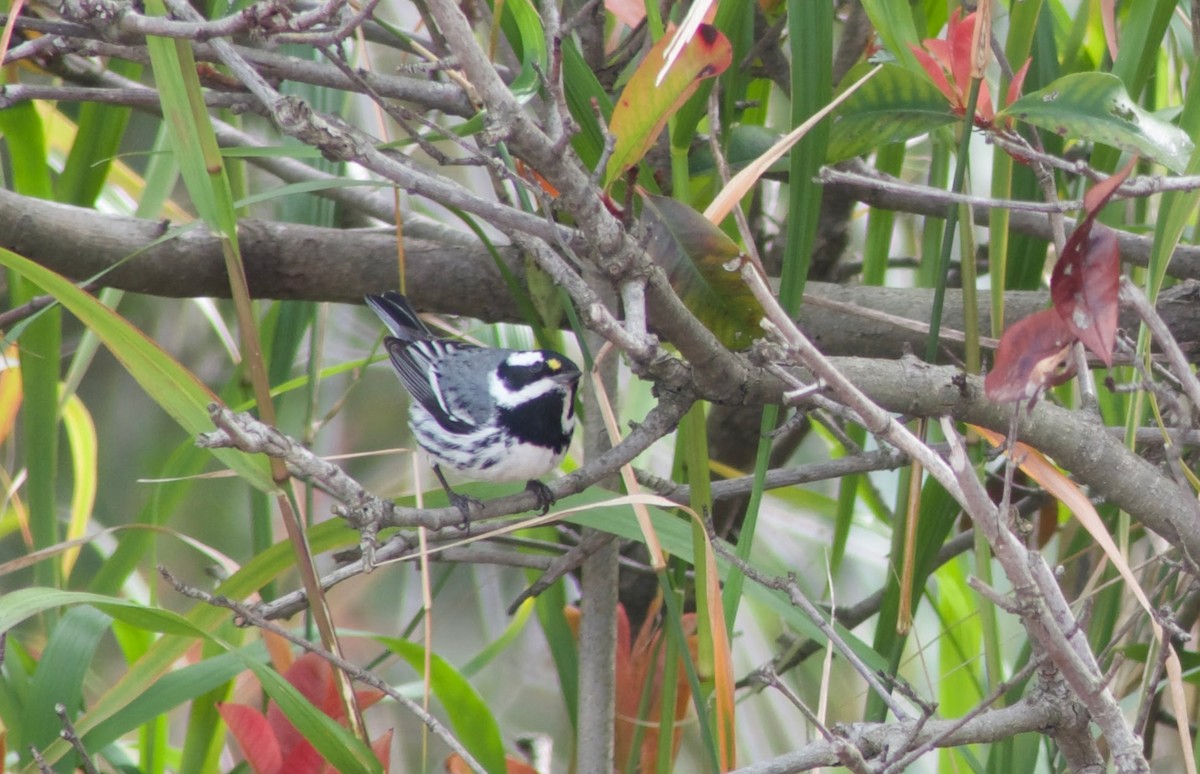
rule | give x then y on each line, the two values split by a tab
507	398
531	357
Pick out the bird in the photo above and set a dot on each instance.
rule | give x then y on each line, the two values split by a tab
491	414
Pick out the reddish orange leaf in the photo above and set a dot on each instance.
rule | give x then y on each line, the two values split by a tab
934	69
1014	92
959	33
1018	83
382	747
312	676
304	759
254	736
644	106
950	62
535	177
1029	356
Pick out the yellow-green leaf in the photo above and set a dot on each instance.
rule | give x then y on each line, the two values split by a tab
646	104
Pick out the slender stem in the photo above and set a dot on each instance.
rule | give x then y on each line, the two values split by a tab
960	173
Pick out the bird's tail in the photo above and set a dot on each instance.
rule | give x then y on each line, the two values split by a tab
399	316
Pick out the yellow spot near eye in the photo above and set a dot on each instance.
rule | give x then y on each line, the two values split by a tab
554	364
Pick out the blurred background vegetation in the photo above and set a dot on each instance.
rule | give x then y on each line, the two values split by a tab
99	410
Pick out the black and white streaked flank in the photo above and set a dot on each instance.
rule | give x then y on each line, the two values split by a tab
491	414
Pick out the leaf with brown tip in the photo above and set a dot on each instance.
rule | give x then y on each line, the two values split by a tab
645	106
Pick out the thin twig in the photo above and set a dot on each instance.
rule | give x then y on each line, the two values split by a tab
68	733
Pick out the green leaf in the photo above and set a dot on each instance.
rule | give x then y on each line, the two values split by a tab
23	133
97	142
1188	659
173	689
938	514
584	91
693	252
745	143
893	20
896	105
523	28
171	385
21	604
1095	107
514	629
61	674
468	713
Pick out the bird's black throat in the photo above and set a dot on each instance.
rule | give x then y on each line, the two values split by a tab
539	421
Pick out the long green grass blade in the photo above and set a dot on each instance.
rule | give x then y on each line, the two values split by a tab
100	129
172	386
40	344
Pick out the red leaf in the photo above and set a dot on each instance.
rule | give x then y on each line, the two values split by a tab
1084	282
304	759
1017	83
934	70
1101	192
959	35
254	736
948	63
985	113
1028	357
1084	289
312	676
939	51
628	691
382	747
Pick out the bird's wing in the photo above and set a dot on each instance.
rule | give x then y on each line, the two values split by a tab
416	363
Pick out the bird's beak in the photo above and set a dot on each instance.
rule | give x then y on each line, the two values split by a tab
568	375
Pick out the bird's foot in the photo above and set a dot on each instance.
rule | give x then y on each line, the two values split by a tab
465	505
545	498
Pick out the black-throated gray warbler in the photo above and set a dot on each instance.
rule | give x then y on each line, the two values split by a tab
491	414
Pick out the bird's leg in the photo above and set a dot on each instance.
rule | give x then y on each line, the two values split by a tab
462	502
545	497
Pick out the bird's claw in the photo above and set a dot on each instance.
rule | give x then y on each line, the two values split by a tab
545	498
465	505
